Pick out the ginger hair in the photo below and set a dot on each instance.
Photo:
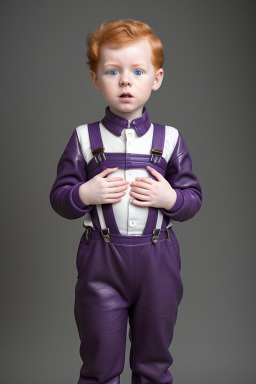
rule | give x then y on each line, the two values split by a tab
119	33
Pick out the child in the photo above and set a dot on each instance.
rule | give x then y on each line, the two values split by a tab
131	179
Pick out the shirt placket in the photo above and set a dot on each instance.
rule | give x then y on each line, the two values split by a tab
129	175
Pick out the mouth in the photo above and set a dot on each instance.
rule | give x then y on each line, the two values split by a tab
126	95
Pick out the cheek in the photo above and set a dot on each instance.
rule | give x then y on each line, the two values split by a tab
146	88
107	88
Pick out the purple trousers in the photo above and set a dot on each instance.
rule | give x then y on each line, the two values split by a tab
129	278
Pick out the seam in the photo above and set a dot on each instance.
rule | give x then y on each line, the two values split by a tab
133	341
183	205
77	154
176	157
72	201
133	279
132	303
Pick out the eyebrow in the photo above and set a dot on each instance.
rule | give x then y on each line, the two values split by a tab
110	65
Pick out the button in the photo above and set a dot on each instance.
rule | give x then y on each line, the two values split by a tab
132	223
129	172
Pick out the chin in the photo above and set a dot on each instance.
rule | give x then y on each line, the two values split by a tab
129	108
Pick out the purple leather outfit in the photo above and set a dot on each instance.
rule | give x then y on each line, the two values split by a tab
126	278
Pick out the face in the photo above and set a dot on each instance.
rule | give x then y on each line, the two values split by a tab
126	77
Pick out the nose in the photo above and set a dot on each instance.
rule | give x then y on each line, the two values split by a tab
125	80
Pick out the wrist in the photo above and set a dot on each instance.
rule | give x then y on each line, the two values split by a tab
169	205
83	194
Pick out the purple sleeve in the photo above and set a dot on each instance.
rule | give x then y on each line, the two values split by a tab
71	173
180	176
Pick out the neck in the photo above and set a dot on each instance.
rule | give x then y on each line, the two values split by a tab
127	115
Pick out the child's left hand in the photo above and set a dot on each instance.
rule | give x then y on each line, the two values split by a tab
154	193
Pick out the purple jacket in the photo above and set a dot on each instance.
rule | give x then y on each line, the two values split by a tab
72	172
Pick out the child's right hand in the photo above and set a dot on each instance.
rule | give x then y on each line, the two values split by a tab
103	190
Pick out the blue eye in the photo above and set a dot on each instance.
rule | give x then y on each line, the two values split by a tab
138	72
113	72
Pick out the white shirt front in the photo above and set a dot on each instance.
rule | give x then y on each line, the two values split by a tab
131	219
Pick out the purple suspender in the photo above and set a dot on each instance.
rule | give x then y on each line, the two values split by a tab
107	160
156	154
96	142
157	143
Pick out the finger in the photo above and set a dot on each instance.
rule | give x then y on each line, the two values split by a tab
112	201
157	175
114	178
141	184
147	180
139	196
106	171
140	203
117	183
141	191
118	188
115	195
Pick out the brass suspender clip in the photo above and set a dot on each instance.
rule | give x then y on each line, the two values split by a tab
99	155
105	234
156	233
87	233
168	234
156	155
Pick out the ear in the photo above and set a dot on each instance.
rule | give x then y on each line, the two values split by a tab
159	75
95	80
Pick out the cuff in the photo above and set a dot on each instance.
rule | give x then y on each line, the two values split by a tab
178	203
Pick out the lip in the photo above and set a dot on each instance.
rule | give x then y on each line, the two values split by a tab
125	99
126	93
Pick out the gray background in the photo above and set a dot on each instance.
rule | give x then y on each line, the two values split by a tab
209	95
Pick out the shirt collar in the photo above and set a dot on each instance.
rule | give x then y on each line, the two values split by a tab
116	124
